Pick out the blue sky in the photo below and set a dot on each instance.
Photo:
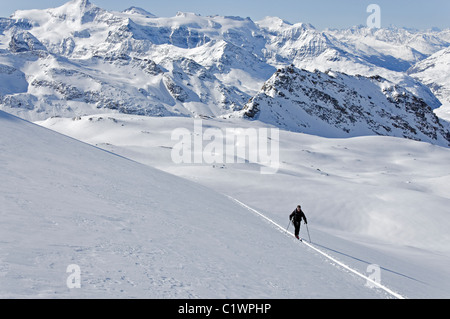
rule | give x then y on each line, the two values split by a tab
420	14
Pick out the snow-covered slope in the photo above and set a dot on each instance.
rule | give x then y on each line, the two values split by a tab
138	232
434	72
369	200
337	105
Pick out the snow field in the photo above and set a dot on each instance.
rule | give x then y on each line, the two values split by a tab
369	200
137	232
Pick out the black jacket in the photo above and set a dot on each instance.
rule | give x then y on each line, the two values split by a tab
297	216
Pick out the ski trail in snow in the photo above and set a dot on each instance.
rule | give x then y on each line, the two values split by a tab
337	262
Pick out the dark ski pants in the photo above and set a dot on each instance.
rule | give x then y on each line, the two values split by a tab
297	228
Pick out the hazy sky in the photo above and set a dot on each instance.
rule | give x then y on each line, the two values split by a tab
420	14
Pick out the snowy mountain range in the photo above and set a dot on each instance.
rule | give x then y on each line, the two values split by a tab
80	59
88	179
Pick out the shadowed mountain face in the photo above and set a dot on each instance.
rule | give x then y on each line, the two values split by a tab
337	105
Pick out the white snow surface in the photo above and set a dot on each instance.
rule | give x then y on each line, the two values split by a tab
369	200
137	232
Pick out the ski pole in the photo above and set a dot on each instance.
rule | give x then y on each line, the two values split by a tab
308	232
288	226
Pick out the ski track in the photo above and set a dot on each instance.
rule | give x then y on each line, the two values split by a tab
334	260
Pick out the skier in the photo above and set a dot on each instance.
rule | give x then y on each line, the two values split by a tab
296	218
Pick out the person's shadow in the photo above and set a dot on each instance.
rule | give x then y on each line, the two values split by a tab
368	263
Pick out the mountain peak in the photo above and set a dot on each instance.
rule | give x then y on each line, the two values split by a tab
181	14
273	23
83	4
82	10
139	11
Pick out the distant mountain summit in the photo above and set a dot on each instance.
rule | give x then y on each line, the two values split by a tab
139	11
